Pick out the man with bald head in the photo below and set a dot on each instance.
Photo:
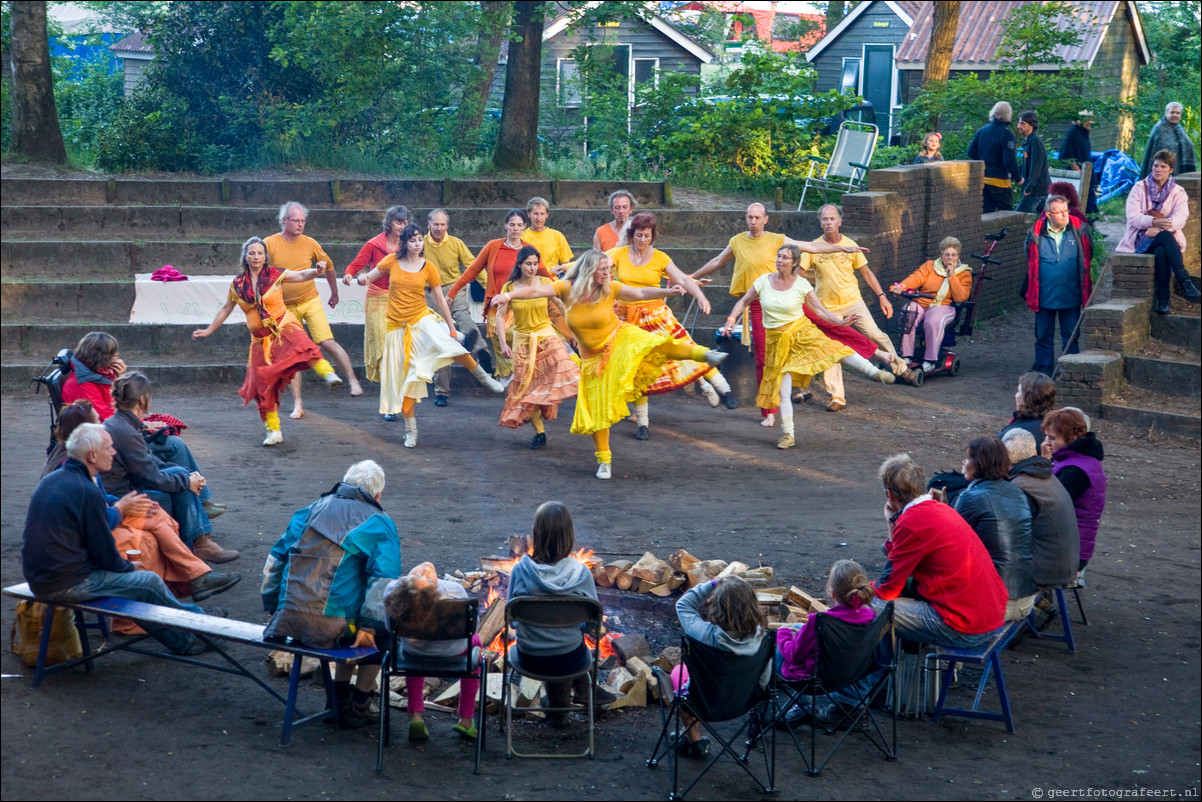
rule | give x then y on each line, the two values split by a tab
754	255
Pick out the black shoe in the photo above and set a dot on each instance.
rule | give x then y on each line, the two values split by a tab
1162	307
440	400
642	434
1188	290
218	611
194	647
346	717
729	399
802	397
212	583
539	441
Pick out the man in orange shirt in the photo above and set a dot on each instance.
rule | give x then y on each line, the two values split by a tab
609	236
292	250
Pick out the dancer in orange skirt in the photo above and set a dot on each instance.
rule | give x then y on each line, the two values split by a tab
639	264
543	372
279	347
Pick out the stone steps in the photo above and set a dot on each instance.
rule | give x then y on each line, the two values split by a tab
1155	411
1168	376
1179	330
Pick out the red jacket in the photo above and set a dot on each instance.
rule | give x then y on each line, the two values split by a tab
951	568
1084	259
101	395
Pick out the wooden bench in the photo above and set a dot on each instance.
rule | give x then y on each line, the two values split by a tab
988	656
207	628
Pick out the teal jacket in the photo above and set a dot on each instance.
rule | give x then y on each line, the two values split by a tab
330	568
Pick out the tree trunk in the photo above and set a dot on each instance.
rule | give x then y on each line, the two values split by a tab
35	118
494	24
517	144
939	53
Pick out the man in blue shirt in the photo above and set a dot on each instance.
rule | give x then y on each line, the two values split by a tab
1058	282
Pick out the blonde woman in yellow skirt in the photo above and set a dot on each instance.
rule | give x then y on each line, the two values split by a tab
543	371
618	361
796	347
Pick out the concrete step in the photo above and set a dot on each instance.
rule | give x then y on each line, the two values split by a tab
1179	330
374	194
65	302
1166	376
1148	416
676	228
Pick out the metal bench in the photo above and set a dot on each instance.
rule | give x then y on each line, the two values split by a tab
208	628
988	657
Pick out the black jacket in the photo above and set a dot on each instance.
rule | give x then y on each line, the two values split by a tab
1035	167
1001	516
134	467
994	145
1055	541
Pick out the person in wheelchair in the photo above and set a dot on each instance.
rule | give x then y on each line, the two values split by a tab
931	290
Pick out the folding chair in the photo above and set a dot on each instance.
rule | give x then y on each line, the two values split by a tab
554	612
847	168
856	661
449	619
722	686
52	378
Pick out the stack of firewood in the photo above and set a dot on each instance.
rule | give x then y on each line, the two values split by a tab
680	571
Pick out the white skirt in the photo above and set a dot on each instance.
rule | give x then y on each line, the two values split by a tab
404	375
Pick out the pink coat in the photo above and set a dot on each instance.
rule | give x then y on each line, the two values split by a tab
1176	207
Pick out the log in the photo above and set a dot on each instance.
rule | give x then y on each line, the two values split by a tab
799	597
619	680
704	571
614	569
631	646
682	561
669	658
624	581
279	664
450	695
519	545
635	694
649	567
502	565
492	622
662	590
601	578
758	577
530	692
734	569
771	597
676	580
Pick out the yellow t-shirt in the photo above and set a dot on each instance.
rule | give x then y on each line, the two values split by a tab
448	256
529	314
406	291
302	254
835	275
753	258
552	246
648	275
593	324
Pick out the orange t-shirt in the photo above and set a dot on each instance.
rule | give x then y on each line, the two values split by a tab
407	291
302	254
607	237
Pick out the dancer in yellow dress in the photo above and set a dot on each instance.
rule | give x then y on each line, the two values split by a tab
543	371
618	361
795	346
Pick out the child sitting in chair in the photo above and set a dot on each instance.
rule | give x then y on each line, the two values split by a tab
420	590
725	614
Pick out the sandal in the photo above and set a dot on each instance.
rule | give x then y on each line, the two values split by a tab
467	733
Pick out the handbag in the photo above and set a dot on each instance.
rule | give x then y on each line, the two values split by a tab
26	635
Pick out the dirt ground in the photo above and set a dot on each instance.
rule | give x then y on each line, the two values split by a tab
1120	715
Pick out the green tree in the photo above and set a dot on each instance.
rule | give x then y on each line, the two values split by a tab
1174	33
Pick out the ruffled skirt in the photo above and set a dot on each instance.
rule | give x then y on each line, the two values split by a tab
412	354
272	363
660	320
552	378
799	349
616	376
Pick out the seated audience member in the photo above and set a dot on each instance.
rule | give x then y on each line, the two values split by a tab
325	578
1055	543
1001	516
142	525
178	490
1077	455
1035	396
963	600
69	554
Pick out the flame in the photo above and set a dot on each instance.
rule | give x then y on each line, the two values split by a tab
493	595
606	649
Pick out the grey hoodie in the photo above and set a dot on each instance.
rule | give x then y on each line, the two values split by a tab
568	577
688	610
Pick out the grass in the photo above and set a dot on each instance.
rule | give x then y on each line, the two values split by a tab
1114	210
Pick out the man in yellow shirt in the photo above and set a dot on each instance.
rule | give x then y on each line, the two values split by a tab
449	255
837	288
552	245
292	250
754	255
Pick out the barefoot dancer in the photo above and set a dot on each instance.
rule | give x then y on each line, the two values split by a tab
418	342
620	361
543	372
641	265
795	346
279	347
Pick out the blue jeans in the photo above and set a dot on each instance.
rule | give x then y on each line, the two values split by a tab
918	621
173	449
185	507
1045	331
142	586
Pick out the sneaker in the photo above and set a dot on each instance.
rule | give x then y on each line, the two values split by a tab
390	418
345	716
728	398
333	381
795	715
884	377
604	471
368	709
642	434
466	733
927	367
274	438
410	440
213	508
440	400
418	731
786	441
802	397
710	395
835	406
714	357
211	584
1187	290
539	441
494	385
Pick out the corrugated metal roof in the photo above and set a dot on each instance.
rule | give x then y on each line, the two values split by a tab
980	32
134	43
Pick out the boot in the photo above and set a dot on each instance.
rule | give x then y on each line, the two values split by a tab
1187	290
344	709
208	550
212	583
580	690
213	508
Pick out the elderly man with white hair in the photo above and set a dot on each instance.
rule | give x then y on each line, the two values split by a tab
1169	134
69	554
994	144
1055	540
324	581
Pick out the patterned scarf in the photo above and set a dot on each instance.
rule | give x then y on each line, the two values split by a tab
1159	196
253	293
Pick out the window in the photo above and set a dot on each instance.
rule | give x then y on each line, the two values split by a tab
646	70
849	79
567	84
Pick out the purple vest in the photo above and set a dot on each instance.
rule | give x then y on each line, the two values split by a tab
1090	504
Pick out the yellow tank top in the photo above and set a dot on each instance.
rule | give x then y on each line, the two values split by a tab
648	275
529	314
592	323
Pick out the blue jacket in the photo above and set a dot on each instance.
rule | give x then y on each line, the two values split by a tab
330	568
